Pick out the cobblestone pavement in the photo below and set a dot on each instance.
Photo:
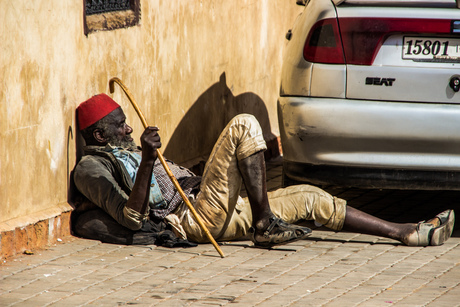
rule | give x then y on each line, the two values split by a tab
328	269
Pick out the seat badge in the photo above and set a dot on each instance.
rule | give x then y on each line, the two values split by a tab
380	81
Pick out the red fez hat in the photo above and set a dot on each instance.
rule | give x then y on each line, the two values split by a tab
94	109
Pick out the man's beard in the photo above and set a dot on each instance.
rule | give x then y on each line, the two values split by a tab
125	143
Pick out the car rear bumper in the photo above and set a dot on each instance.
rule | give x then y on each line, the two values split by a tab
370	134
369	178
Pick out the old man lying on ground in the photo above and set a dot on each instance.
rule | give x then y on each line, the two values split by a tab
139	203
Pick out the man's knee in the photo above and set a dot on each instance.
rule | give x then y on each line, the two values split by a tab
245	131
308	202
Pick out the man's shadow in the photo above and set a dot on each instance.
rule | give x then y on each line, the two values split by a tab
197	132
199	129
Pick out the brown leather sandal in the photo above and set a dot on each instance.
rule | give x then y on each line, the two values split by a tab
279	232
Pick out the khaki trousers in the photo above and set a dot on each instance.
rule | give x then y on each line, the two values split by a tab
228	216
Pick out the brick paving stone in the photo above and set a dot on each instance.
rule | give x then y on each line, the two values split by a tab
135	276
11	284
14	297
310	301
157	294
349	300
193	278
76	300
439	285
44	298
125	294
75	285
362	238
191	295
176	286
171	302
38	257
234	290
351	275
34	287
150	267
148	301
279	299
449	298
16	282
402	290
449	279
204	288
41	271
250	300
141	286
109	302
78	270
420	298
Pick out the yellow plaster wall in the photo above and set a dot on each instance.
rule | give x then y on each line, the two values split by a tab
190	65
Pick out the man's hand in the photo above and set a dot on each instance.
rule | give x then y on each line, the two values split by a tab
150	142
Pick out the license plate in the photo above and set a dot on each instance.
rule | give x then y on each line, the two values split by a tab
431	49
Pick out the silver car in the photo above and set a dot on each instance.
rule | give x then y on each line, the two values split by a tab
370	95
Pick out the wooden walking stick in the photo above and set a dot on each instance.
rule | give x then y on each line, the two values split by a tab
166	167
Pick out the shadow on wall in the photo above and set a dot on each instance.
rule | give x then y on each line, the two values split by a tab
197	132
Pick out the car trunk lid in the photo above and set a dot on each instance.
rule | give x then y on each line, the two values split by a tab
412	47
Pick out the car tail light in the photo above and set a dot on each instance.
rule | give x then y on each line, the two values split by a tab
323	43
362	37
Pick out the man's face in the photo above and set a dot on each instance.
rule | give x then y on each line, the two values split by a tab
116	131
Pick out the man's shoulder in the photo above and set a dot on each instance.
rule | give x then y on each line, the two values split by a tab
92	163
88	160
